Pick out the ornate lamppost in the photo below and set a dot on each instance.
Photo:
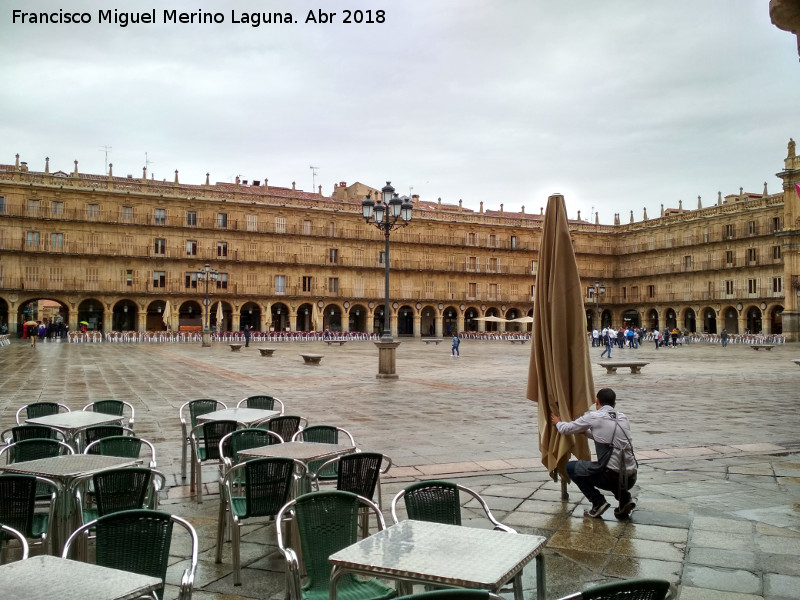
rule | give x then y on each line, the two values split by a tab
207	274
387	213
596	291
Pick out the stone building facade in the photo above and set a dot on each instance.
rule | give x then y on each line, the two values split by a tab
113	251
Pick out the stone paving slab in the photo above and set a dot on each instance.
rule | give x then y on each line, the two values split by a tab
716	432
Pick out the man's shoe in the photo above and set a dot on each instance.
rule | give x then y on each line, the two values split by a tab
623	511
597	510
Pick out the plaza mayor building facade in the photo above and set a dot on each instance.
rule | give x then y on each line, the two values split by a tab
110	252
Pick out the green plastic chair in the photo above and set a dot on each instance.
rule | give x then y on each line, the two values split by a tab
326	523
115	490
244	439
27	432
323	434
255	488
205	439
112	407
9	533
263	402
97	432
125	446
39	409
631	589
18	497
138	541
194	408
285	425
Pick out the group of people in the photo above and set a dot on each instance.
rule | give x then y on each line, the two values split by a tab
610	338
42	330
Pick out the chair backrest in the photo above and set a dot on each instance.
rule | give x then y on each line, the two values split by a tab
122	489
98	432
34	449
262	401
244	439
440	502
359	473
27	432
268	484
125	446
201	406
18	500
112	407
39	409
285	425
631	589
137	541
211	433
326	523
325	434
7	533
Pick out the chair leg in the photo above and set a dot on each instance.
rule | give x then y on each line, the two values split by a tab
237	560
198	484
518	586
221	522
183	459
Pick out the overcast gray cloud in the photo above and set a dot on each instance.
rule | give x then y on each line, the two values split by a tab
620	105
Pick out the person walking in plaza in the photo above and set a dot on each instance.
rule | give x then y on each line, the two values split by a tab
595	338
657	337
724	338
456	344
610	338
247	336
674	336
615	467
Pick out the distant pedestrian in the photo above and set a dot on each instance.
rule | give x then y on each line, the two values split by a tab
456	343
724	338
32	334
657	337
247	336
610	339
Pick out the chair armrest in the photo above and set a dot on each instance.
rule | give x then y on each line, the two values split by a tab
294	587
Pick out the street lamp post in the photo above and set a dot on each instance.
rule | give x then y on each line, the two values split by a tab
596	291
387	213
207	274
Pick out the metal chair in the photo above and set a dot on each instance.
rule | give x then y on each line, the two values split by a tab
115	490
112	407
18	497
126	446
264	485
89	435
262	401
326	523
194	408
244	439
205	439
27	432
285	425
323	434
8	533
34	448
359	473
631	589
39	409
138	541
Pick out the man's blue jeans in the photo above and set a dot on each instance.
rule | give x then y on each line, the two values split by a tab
607	480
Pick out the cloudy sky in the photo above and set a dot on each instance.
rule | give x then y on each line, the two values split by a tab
619	105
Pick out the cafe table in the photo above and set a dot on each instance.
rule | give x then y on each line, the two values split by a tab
72	423
246	416
48	577
446	555
65	470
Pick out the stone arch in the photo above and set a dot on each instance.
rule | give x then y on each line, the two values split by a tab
154	319
776	319
405	320
125	316
427	321
653	319
631	318
358	318
689	320
470	319
190	314
332	317
305	317
753	316
250	314
90	313
730	319
709	316
279	313
450	320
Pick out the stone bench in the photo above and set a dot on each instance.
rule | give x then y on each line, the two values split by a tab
521	341
635	366
436	341
312	359
266	351
236	347
760	346
796	361
340	342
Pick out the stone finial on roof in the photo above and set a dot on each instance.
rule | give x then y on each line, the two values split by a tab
631	216
791	149
16	164
765	189
680	204
459	203
47	164
579	215
319	190
144	173
266	185
110	170
662	210
501	209
293	186
207	180
522	210
596	218
719	198
616	218
237	181
644	217
541	211
481	209
699	203
176	176
75	173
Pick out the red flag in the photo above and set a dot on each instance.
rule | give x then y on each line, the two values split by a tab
797	187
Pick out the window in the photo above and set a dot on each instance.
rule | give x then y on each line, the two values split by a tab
191	218
126	214
33	208
92	211
56	209
333	256
776	252
191	280
751	255
429	289
730	231
159	246
634	292
222	281
729	289
91	274
472	263
252	281
280	284
494	265
191	247
492	291
127	244
382	258
129	277
56	275
752	286
333	285
332	229
706	236
280	224
472	290
32	274
776	224
358	287
513	242
534	267
32	239
514	290
307	281
222	220
777	284
687	262
2	204
57	241
752	227
492	240
160	216
472	239
159	279
252	248
307	227
729	258
222	249
451	290
252	222
308	255
651	291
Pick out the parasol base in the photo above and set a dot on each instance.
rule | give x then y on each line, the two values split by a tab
206	343
387	360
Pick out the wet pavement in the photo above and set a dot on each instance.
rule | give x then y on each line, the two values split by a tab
715	430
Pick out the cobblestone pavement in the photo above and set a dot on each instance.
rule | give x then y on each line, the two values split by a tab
716	433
